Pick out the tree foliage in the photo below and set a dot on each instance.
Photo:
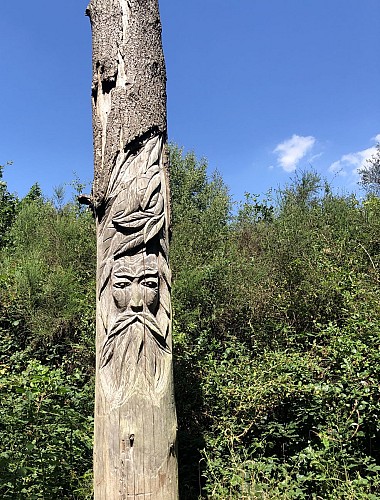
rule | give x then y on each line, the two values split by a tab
370	173
8	208
276	335
46	350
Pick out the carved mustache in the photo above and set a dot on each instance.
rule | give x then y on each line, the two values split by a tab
120	327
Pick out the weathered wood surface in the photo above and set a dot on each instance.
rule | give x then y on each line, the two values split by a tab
135	418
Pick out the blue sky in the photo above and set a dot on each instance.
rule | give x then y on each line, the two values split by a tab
258	87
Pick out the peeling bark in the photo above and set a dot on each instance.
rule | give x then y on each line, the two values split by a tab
135	419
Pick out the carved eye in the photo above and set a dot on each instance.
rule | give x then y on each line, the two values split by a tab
121	284
150	283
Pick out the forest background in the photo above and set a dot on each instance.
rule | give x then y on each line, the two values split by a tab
276	335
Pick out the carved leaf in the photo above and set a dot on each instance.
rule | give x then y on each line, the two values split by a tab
158	207
127	242
153	184
127	200
153	227
155	153
108	235
164	246
152	149
133	221
104	274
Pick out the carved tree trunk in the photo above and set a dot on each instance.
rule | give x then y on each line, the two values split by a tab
135	419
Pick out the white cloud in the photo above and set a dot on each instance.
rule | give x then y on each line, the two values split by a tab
353	161
291	151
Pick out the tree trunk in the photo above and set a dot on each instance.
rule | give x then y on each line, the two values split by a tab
135	419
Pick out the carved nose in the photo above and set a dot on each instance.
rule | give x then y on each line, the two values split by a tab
137	302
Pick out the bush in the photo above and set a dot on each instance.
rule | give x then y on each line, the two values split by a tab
278	333
47	312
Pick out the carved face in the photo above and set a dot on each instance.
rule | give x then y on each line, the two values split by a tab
135	283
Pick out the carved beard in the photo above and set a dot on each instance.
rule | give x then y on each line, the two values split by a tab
134	350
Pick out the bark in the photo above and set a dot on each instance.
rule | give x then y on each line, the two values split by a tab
135	418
